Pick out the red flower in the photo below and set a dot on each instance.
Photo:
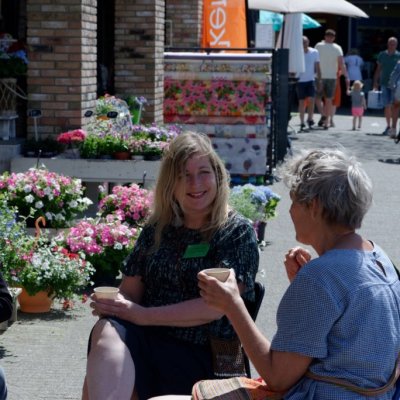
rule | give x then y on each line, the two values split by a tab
78	135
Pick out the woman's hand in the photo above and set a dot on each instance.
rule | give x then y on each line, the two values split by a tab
295	258
219	295
119	307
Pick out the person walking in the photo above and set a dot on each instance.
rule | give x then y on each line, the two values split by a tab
354	64
358	103
306	84
385	64
331	60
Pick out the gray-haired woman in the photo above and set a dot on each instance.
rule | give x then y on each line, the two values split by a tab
340	316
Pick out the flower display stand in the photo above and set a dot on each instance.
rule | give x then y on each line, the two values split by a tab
226	96
95	172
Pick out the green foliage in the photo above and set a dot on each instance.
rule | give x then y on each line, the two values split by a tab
89	148
257	203
42	193
38	263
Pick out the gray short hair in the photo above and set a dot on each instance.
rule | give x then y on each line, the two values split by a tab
337	180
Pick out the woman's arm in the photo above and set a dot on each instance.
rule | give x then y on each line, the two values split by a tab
295	258
127	306
281	370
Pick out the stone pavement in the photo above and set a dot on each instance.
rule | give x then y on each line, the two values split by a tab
44	355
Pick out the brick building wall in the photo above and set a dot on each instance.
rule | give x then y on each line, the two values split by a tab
62	40
62	62
185	22
139	48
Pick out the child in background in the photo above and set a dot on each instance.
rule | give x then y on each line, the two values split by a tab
358	103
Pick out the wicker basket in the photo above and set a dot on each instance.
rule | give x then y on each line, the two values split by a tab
228	357
8	96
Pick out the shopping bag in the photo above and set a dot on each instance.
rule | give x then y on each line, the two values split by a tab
375	99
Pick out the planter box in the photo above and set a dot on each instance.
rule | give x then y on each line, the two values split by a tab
116	171
96	172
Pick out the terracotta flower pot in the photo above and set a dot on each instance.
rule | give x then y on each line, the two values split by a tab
122	155
261	230
38	303
152	157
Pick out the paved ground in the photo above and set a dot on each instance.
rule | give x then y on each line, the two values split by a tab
44	355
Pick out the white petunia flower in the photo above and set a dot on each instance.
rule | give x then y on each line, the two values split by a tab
39	204
27	188
49	216
73	204
29	199
59	217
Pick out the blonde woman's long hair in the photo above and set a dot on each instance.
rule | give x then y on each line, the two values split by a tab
166	209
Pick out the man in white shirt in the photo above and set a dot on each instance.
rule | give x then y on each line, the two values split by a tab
306	83
331	61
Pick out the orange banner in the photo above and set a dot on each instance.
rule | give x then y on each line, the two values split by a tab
224	24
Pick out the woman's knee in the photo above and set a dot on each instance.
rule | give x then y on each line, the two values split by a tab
104	332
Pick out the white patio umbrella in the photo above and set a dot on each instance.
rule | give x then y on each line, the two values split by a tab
294	8
291	37
337	7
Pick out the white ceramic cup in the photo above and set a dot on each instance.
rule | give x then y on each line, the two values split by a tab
106	292
219	273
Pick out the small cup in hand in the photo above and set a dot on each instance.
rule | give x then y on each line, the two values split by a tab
219	273
106	292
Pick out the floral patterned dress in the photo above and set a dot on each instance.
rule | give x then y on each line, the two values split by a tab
170	273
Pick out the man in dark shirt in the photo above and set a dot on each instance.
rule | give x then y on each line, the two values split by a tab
386	62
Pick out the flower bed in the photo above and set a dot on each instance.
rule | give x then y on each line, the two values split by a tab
131	204
39	192
37	263
105	242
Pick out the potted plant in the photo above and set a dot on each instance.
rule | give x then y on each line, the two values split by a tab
13	57
103	106
45	148
153	150
136	147
257	203
39	192
89	148
41	268
71	140
136	107
120	149
105	146
131	204
105	241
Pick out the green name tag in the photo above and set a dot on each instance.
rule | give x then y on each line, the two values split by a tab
196	250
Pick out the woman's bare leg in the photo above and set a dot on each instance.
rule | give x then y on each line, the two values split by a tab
110	371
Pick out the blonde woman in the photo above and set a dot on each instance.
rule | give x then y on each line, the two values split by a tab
154	339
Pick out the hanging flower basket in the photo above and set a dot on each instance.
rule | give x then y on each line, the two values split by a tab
8	96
